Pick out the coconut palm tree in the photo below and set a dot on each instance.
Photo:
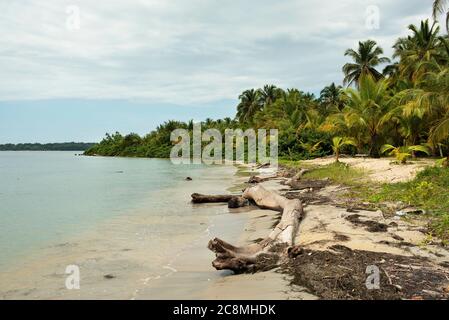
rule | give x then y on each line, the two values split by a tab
403	153
249	105
338	143
431	94
366	59
439	7
368	109
436	95
332	97
268	95
415	51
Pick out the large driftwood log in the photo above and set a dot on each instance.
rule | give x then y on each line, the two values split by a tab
232	200
257	256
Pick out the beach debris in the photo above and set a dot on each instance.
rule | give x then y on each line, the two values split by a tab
307	184
340	273
409	211
233	201
371	226
109	276
255	179
264	165
267	253
295	179
189	179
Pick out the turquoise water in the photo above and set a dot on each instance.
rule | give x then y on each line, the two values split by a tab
46	197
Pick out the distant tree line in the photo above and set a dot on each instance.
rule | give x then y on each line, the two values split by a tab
64	146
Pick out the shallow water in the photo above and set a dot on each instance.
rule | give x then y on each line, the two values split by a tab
127	219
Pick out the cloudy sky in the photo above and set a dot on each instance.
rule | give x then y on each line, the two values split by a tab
73	70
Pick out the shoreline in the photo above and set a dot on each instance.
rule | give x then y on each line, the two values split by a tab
123	270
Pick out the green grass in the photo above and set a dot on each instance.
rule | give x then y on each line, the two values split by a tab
291	164
428	191
338	173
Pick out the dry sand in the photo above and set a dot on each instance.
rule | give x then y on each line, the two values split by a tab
379	170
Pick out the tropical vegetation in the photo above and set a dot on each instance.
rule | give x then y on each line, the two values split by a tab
400	101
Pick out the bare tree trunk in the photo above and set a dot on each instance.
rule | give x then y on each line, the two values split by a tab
256	256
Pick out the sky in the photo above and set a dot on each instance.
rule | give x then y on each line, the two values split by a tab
74	70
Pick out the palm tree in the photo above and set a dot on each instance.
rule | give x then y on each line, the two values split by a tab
368	109
431	94
403	153
268	95
249	105
391	70
417	50
439	7
436	95
338	143
332	96
366	59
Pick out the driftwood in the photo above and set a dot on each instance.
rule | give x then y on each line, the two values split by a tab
271	249
296	178
233	201
255	179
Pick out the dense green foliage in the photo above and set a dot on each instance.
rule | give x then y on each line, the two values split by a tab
65	146
406	105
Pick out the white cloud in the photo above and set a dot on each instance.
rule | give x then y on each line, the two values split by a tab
184	52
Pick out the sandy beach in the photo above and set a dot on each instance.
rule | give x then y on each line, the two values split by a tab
327	227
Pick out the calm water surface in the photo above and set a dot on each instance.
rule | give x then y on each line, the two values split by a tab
48	197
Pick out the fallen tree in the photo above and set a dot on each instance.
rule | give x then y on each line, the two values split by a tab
268	252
